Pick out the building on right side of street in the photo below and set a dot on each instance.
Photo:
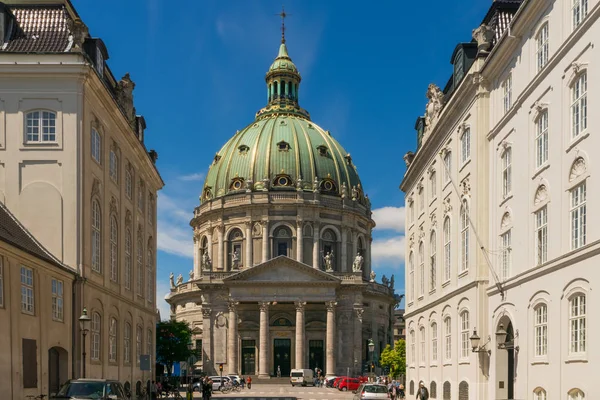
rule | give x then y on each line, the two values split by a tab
526	238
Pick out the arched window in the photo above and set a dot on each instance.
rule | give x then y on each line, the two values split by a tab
282	241
329	243
41	126
465	145
463	391
413	349
114	253
128	261
433	184
140	268
447	338
412	387
447	166
447	249
149	280
577	323
432	261
127	343
434	342
576	394
421	269
96	331
541	139
539	394
235	244
411	277
542	45
433	390
541	330
579	105
506	172
96	237
578	216
112	340
464	335
138	344
464	236
447	390
422	347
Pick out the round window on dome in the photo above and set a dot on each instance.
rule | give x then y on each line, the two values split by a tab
283	181
237	184
328	185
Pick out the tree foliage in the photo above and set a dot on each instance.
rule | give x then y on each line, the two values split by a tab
172	338
395	358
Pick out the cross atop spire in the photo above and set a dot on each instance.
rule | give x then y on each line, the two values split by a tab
283	15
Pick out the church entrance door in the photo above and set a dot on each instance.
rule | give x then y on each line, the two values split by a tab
248	357
315	351
282	356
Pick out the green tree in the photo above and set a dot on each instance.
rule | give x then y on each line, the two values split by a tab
395	358
172	338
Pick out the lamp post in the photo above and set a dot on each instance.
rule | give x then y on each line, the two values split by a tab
190	346
371	346
84	326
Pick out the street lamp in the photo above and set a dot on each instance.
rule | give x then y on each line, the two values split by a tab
371	347
475	340
84	326
501	335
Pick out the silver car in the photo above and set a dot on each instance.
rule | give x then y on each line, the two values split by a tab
371	391
100	389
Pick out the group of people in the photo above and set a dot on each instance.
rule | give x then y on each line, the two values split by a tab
319	378
396	390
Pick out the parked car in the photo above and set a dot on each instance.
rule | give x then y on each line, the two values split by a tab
302	377
329	381
337	380
80	389
217	382
371	391
235	378
348	384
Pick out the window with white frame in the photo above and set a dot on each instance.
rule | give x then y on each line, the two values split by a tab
421	269
57	300
448	338
506	172
141	197
541	41
421	199
149	280
138	344
127	343
505	256
96	332
447	249
1	281
464	335
464	237
576	394
434	342
411	211
433	184
579	106
114	250
27	292
507	93
422	348
539	394
541	139
140	268
128	184
96	140
128	261
465	145
411	273
99	61
41	126
578	216
540	320
149	341
113	166
579	11
541	235
112	340
577	324
432	261
412	346
447	166
96	236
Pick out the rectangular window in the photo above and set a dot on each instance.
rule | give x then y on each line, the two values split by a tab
57	300
579	106
542	47
1	281
434	342
422	199
465	145
96	330
447	249
580	10
541	330
447	167
506	172
141	196
112	340
578	216
138	344
422	345
448	338
30	365
150	208
577	315
541	139
505	255
149	342
421	269
412	346
96	146
433	183
45	120
541	235
507	93
128	261
432	262
127	343
464	335
99	62
128	184
113	166
27	299
411	208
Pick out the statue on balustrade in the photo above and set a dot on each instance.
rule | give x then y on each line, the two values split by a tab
373	276
179	279
235	259
358	263
172	280
206	263
329	261
385	280
191	275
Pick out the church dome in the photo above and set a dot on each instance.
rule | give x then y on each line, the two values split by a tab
282	149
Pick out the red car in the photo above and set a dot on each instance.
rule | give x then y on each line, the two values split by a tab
348	384
337	381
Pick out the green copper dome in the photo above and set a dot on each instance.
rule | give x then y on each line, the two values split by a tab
282	149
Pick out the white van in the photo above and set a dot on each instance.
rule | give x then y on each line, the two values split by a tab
302	377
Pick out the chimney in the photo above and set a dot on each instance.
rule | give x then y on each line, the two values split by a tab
125	98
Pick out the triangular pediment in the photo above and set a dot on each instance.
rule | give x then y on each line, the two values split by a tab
282	269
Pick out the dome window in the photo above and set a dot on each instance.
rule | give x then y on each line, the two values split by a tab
207	193
322	150
283	146
328	185
236	184
243	149
282	180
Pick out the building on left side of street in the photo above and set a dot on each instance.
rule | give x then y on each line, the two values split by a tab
35	312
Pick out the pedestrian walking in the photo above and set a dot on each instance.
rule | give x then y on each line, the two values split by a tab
422	392
278	371
153	390
243	382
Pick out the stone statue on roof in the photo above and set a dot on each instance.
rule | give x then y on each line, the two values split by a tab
206	264
179	279
434	105
358	263
191	275
172	280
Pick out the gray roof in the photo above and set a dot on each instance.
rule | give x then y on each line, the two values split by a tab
15	234
39	29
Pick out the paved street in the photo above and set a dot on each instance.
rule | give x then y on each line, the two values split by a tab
283	392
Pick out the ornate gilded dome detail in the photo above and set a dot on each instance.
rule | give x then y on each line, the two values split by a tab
237	183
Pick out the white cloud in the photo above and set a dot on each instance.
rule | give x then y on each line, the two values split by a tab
162	289
174	233
388	251
192	177
389	218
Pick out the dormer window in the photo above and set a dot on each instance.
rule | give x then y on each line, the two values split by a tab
328	185
322	150
243	149
236	184
282	180
99	61
459	67
283	146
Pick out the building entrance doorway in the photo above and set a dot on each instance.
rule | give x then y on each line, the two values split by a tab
315	352
58	368
248	357
282	356
505	362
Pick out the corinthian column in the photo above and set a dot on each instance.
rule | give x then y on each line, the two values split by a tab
299	241
232	339
263	342
249	261
300	334
330	360
220	257
265	241
315	246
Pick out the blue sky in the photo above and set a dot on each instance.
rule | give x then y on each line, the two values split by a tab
199	70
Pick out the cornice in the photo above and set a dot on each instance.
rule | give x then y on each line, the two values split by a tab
445	298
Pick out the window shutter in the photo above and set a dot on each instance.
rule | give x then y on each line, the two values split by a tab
29	363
